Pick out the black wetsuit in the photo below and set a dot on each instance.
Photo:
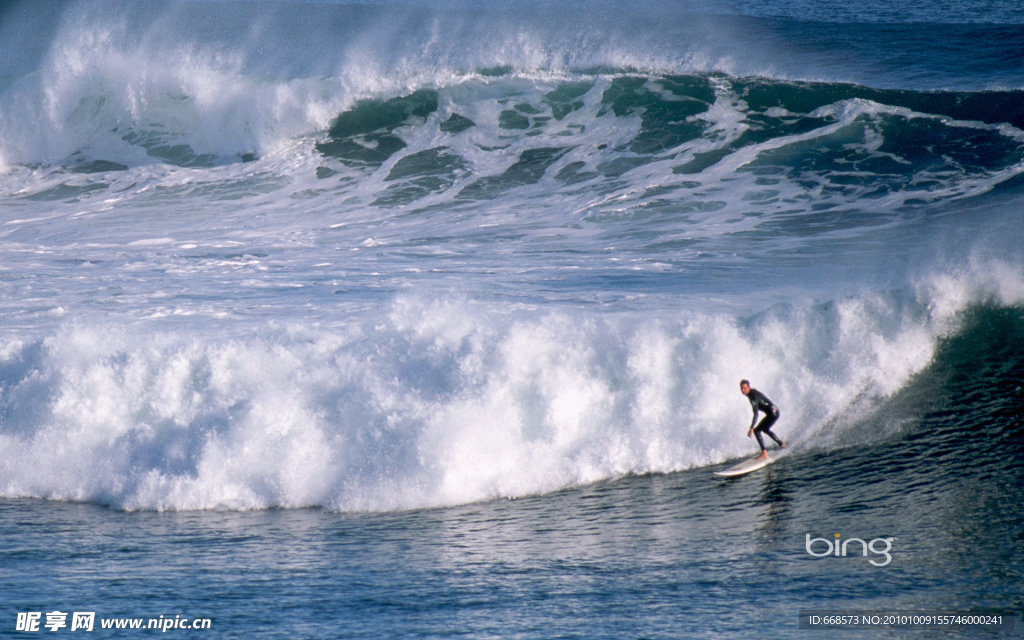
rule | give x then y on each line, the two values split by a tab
760	402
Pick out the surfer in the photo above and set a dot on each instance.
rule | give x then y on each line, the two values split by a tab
759	402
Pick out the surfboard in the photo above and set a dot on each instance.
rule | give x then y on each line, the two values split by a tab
745	467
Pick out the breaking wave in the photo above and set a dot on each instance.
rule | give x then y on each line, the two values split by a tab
448	402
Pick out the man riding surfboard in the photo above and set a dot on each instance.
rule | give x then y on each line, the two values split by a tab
760	402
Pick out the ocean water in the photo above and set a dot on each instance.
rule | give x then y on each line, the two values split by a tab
402	319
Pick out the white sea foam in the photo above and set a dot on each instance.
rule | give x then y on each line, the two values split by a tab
447	402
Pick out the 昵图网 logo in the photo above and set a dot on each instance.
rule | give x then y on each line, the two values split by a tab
821	547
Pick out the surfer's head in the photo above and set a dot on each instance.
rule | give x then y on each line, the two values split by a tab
745	387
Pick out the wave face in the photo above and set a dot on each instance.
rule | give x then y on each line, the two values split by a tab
377	256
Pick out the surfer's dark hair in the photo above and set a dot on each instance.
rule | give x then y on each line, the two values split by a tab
744	382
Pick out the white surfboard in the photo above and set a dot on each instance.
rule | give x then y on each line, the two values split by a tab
745	467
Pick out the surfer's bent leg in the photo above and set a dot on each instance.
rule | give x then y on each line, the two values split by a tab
766	426
757	434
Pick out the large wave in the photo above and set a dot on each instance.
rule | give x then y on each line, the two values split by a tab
447	402
193	83
613	146
201	83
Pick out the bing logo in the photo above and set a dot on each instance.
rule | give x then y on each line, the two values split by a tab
821	547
